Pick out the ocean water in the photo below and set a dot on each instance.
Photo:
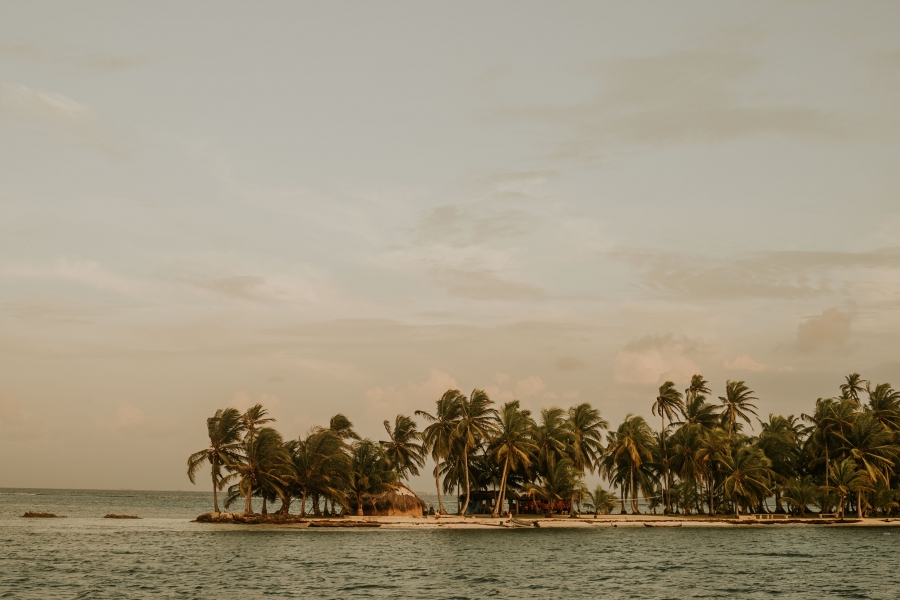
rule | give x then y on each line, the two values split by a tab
164	555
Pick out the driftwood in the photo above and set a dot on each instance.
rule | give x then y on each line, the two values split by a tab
41	515
343	524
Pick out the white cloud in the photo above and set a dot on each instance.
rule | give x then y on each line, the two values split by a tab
653	359
413	396
61	114
744	363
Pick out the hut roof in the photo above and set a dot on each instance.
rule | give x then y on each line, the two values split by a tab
400	498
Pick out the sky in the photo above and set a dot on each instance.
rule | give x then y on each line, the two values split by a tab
353	207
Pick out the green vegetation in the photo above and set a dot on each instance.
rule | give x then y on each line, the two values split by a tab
706	459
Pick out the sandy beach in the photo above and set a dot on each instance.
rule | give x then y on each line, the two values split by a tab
581	522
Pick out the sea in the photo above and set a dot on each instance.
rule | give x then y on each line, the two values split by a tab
165	555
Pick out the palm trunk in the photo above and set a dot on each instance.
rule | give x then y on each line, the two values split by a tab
712	506
859	510
359	505
662	433
303	505
634	509
215	491
499	507
466	468
248	505
622	496
264	508
437	485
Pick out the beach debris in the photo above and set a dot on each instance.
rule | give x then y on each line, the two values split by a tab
41	515
343	524
115	516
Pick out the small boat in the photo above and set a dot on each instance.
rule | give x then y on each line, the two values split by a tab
343	524
662	524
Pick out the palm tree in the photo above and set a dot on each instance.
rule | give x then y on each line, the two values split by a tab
736	404
322	464
225	429
602	501
552	435
698	411
512	443
852	386
687	453
438	437
630	451
779	440
264	466
586	428
402	449
342	426
253	418
697	387
475	424
884	404
715	451
872	447
667	402
558	482
845	479
799	493
748	477
370	472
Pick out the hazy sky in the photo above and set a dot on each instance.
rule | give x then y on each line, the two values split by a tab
355	206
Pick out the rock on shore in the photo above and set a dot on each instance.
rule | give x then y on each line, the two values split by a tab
115	516
41	515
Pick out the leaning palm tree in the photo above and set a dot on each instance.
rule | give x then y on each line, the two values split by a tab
438	437
265	464
475	424
402	449
370	472
512	444
667	402
253	418
799	493
225	429
322	464
342	426
737	404
552	435
748	477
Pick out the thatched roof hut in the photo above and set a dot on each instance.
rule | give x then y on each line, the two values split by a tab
399	502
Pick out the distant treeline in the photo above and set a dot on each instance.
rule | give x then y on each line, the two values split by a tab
841	457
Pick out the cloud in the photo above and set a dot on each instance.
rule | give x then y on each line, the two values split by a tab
484	284
788	275
62	115
744	363
569	363
238	286
831	328
87	273
414	395
655	358
683	97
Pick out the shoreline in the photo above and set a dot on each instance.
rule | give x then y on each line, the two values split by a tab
542	522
